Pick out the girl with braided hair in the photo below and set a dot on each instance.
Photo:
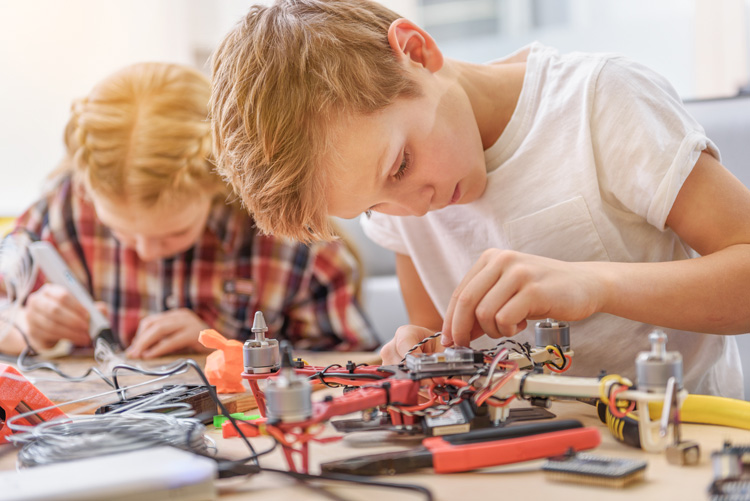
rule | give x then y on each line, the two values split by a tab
143	221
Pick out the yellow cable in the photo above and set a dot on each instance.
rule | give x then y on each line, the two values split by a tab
558	353
707	409
603	385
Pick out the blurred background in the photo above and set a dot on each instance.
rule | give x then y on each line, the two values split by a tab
52	51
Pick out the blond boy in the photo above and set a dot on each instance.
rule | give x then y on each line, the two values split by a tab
569	186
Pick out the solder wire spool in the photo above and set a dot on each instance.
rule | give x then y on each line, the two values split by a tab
552	332
654	368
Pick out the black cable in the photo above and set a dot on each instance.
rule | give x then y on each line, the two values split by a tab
344	375
355	479
319	374
521	395
564	360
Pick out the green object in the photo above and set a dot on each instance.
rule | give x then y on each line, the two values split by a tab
219	420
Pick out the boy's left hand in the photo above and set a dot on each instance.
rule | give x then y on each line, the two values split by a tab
167	332
505	288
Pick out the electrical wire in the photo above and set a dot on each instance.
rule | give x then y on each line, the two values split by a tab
337	477
420	344
28	351
86	436
176	368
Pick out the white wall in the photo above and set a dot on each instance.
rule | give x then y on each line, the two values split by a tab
52	52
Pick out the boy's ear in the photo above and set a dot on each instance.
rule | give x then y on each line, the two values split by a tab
410	41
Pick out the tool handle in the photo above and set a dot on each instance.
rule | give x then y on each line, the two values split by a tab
448	458
624	429
492	433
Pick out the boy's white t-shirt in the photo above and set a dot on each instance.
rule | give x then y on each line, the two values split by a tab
587	169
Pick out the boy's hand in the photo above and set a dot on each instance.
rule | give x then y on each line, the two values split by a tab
404	340
167	332
52	313
505	288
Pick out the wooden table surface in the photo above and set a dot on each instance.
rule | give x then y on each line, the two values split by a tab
664	481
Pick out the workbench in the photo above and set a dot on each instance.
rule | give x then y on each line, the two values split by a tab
664	481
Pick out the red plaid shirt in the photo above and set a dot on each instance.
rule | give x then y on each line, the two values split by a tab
307	294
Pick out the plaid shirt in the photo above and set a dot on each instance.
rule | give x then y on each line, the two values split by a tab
307	294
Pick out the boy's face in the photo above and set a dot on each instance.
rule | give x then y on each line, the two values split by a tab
415	156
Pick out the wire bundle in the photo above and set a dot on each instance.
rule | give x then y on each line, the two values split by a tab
89	436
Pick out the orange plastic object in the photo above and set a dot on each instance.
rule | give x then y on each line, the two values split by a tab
249	428
19	396
224	366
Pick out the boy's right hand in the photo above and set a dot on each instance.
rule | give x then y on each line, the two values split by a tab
406	337
52	313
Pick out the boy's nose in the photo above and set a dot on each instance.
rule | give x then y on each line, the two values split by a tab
414	202
418	202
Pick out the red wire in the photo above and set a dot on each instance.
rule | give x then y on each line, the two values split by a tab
613	405
488	392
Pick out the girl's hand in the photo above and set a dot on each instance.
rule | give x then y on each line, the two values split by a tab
52	313
167	332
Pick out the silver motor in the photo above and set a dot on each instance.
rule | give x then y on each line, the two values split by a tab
260	355
551	332
288	396
654	368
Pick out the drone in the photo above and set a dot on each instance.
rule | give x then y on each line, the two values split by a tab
457	391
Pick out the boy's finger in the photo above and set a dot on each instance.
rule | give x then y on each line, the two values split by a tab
388	353
459	317
465	311
450	311
492	307
511	319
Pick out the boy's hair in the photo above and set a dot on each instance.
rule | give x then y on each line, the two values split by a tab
142	135
280	78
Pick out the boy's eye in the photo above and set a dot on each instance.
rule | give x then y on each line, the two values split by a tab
403	167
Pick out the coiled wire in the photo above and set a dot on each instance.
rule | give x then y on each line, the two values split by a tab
131	427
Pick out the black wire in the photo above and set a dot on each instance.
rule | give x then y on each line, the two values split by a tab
344	375
356	479
564	360
320	374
